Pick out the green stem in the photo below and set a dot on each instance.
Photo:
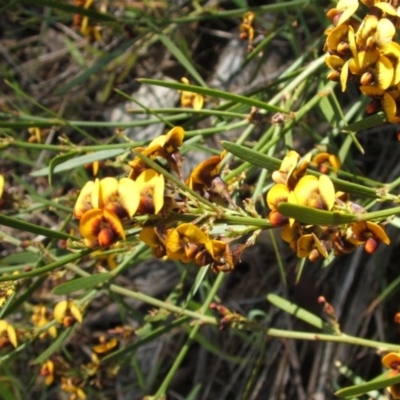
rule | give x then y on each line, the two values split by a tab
164	385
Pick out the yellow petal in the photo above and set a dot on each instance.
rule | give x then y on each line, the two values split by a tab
12	335
384	32
344	74
378	232
277	194
158	193
1	185
366	29
389	107
334	62
128	195
75	312
392	52
391	361
96	200
372	91
60	311
84	200
198	102
304	245
386	8
89	225
383	73
327	191
115	223
108	190
348	8
150	237
174	139
305	188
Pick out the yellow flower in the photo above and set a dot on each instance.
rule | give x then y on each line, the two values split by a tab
324	160
76	392
41	317
291	170
185	242
205	178
151	191
343	12
166	147
155	239
66	312
8	334
105	345
310	246
246	27
101	228
369	233
392	361
224	256
315	192
291	233
189	99
47	371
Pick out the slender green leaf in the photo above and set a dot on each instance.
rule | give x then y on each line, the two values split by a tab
313	216
197	283
78	162
366	123
358	390
26	257
87	282
298	312
37	230
170	45
60	159
214	93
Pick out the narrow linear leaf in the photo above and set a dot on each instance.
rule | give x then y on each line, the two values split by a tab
298	312
87	282
79	161
58	160
313	216
214	93
366	123
170	45
28	227
198	281
358	390
272	164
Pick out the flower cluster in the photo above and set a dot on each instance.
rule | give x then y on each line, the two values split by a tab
294	186
106	206
367	52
